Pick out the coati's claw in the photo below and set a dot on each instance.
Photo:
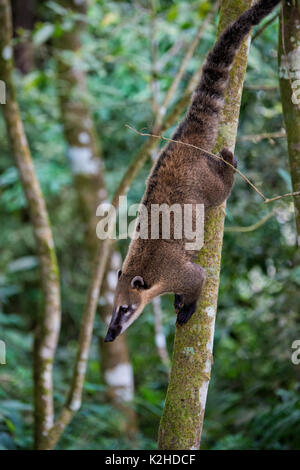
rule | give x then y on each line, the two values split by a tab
235	163
185	313
178	302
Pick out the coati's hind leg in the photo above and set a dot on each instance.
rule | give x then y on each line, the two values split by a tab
228	156
193	277
223	175
220	166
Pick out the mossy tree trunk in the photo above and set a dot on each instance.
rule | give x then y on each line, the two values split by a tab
84	153
48	320
182	420
289	77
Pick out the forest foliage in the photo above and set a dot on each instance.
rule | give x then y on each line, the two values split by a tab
253	400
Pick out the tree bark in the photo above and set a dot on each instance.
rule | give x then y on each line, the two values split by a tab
84	153
48	321
289	79
182	420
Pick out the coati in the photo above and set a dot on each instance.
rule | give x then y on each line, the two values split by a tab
184	175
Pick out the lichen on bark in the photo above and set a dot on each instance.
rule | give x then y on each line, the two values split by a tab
182	420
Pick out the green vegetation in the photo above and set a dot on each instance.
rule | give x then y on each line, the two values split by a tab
253	399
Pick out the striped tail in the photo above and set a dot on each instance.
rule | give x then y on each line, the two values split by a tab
208	98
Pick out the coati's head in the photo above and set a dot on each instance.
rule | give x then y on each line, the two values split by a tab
129	302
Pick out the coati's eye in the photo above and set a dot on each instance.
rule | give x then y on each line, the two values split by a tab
124	309
119	273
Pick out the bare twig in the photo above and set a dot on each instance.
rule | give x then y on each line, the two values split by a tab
251	228
266	200
260	87
266	135
202	150
276	198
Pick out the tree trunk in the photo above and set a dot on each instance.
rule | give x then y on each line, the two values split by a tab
182	420
48	321
84	153
289	78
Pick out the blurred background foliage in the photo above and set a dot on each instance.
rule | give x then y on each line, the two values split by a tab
253	400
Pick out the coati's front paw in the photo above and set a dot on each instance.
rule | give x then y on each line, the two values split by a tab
178	302
185	313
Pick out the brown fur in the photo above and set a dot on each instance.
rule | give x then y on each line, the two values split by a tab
184	175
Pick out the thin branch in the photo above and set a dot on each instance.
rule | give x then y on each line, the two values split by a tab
260	87
266	135
202	150
266	200
276	198
251	228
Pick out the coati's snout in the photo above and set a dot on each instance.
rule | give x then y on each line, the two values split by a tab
129	303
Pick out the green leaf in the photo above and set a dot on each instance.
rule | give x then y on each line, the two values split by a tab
43	34
172	13
23	264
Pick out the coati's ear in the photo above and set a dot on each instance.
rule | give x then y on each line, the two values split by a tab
137	282
119	273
